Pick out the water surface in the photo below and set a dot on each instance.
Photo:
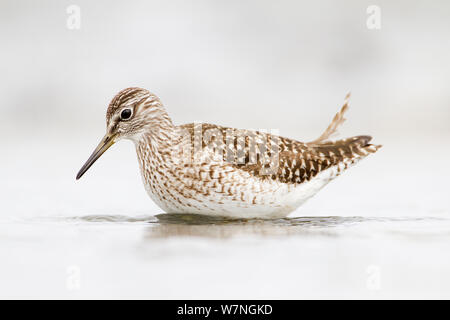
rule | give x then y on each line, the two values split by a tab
180	256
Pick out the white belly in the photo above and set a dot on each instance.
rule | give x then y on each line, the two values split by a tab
252	199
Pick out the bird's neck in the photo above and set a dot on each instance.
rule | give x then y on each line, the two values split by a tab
157	140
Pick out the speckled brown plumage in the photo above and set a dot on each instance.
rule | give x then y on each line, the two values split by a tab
215	170
298	161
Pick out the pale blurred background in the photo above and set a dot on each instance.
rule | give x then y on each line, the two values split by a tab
283	65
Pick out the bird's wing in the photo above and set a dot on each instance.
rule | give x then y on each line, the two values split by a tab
298	162
269	156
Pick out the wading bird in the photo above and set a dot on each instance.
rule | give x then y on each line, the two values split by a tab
213	170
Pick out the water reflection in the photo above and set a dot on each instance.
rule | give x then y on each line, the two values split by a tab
191	225
181	225
113	218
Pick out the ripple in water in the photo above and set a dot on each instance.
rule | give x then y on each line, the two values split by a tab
182	225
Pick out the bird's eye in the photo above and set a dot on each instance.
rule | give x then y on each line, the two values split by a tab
126	114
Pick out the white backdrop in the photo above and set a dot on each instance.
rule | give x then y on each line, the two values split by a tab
283	65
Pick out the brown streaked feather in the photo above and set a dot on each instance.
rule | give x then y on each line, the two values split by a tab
337	121
312	160
297	161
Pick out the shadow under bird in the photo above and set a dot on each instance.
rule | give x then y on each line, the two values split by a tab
213	170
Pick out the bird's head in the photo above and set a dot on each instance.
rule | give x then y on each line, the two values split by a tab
131	113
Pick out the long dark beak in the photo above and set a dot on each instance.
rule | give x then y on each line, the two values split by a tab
104	145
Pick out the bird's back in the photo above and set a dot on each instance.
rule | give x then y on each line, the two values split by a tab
267	156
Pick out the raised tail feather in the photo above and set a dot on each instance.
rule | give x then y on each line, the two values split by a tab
337	121
351	147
